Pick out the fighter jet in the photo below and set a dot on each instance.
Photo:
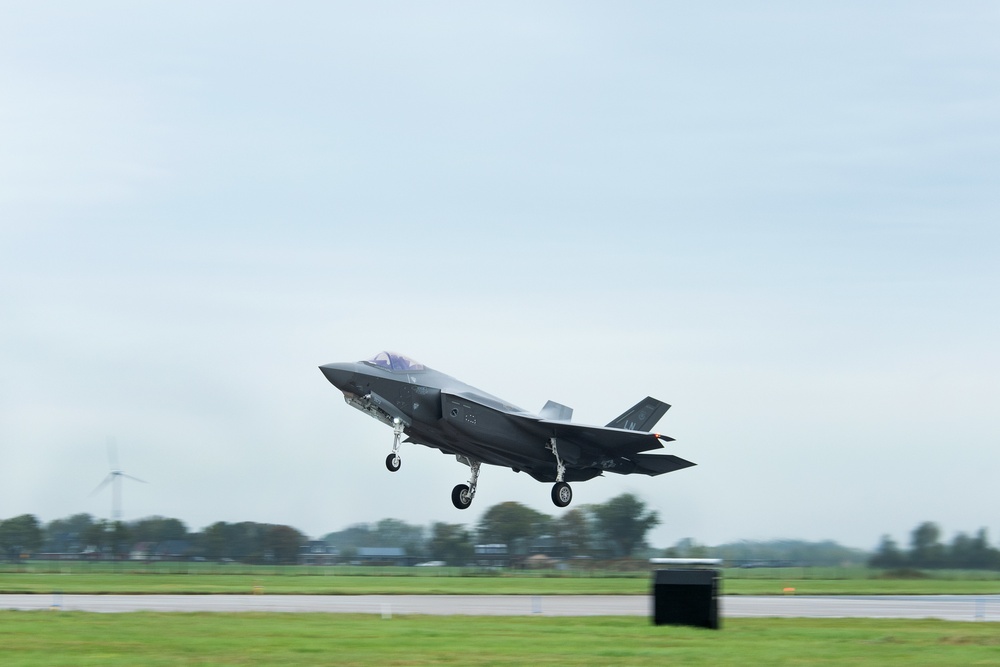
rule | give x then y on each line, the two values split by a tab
436	410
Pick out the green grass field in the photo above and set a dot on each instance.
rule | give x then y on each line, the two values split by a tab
126	578
76	638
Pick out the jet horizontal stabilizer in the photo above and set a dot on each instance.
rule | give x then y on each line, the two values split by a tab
657	464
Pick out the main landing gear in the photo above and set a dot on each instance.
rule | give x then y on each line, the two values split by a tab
562	494
462	495
392	462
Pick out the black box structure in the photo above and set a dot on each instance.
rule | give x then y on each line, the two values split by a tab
686	597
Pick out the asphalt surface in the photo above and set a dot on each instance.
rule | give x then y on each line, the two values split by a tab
946	607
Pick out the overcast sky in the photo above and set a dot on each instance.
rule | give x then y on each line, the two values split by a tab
781	218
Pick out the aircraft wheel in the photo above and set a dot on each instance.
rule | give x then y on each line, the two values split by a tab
562	494
460	497
392	462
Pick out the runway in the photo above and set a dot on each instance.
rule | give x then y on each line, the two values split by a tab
945	607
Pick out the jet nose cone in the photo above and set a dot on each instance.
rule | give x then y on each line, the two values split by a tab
340	376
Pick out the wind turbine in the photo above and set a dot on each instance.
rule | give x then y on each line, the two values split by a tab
114	478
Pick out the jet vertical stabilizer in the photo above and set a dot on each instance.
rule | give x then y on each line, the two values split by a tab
642	416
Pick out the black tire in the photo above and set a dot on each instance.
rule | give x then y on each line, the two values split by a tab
392	462
460	497
562	494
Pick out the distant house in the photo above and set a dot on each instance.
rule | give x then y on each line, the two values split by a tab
539	562
384	556
157	551
317	552
172	550
49	555
492	555
141	551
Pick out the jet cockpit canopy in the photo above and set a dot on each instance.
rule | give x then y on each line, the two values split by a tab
392	361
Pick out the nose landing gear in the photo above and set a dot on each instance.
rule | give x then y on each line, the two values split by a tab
393	462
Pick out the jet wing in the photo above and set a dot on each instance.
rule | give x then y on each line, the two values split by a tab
614	449
616	441
582	446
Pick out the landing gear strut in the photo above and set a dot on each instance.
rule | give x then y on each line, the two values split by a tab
392	462
562	494
462	495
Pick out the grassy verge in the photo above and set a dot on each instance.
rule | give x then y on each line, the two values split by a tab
351	584
340	585
76	638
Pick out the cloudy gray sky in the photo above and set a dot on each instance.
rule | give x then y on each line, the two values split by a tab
784	219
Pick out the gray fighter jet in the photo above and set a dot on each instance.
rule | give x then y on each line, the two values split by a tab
436	410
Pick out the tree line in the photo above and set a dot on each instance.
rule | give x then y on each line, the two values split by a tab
615	529
770	553
927	551
84	535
